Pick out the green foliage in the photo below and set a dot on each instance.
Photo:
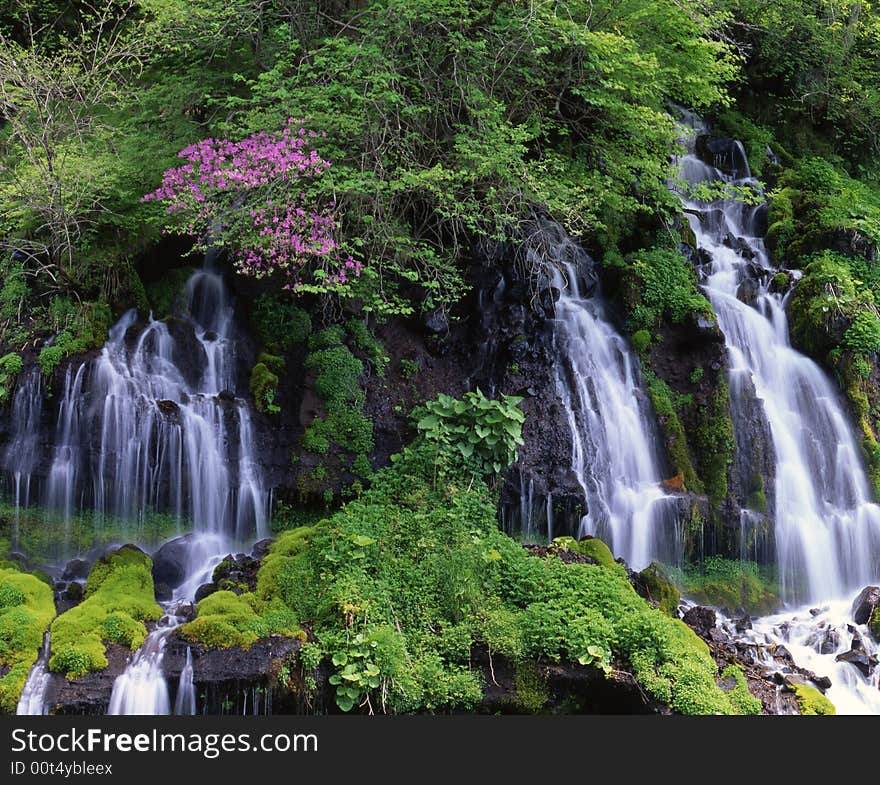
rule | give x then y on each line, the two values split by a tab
755	138
402	583
10	368
661	285
812	702
484	432
119	598
557	107
409	368
26	609
825	303
337	381
862	337
874	625
279	324
85	328
641	340
729	583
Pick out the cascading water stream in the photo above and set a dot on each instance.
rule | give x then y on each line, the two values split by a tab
826	528
32	701
614	441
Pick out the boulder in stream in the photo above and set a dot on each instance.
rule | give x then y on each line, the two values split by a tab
865	603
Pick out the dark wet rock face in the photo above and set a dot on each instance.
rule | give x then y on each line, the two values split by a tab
89	694
723	153
237	574
865	603
76	569
171	561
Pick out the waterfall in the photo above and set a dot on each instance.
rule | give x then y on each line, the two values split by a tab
827	530
614	451
152	424
32	700
22	453
185	702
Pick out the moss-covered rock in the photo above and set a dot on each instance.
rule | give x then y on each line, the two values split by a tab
591	547
26	610
264	387
119	598
659	589
225	619
811	701
733	682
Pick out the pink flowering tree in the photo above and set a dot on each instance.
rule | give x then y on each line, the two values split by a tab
252	198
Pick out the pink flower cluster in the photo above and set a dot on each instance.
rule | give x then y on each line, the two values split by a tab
249	195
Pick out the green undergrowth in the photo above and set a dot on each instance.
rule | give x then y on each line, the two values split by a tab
26	610
401	585
811	702
119	598
729	583
85	327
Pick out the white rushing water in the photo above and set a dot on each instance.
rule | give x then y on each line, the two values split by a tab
826	526
614	442
32	701
827	529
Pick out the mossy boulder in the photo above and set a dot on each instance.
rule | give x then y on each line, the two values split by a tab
658	588
225	619
592	547
812	702
26	610
119	598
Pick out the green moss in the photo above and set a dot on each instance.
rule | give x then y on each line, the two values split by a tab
27	608
279	324
337	374
369	344
812	702
87	329
660	589
874	624
225	619
714	442
531	689
593	547
409	368
641	340
737	689
676	440
273	362
10	367
119	598
164	294
264	387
